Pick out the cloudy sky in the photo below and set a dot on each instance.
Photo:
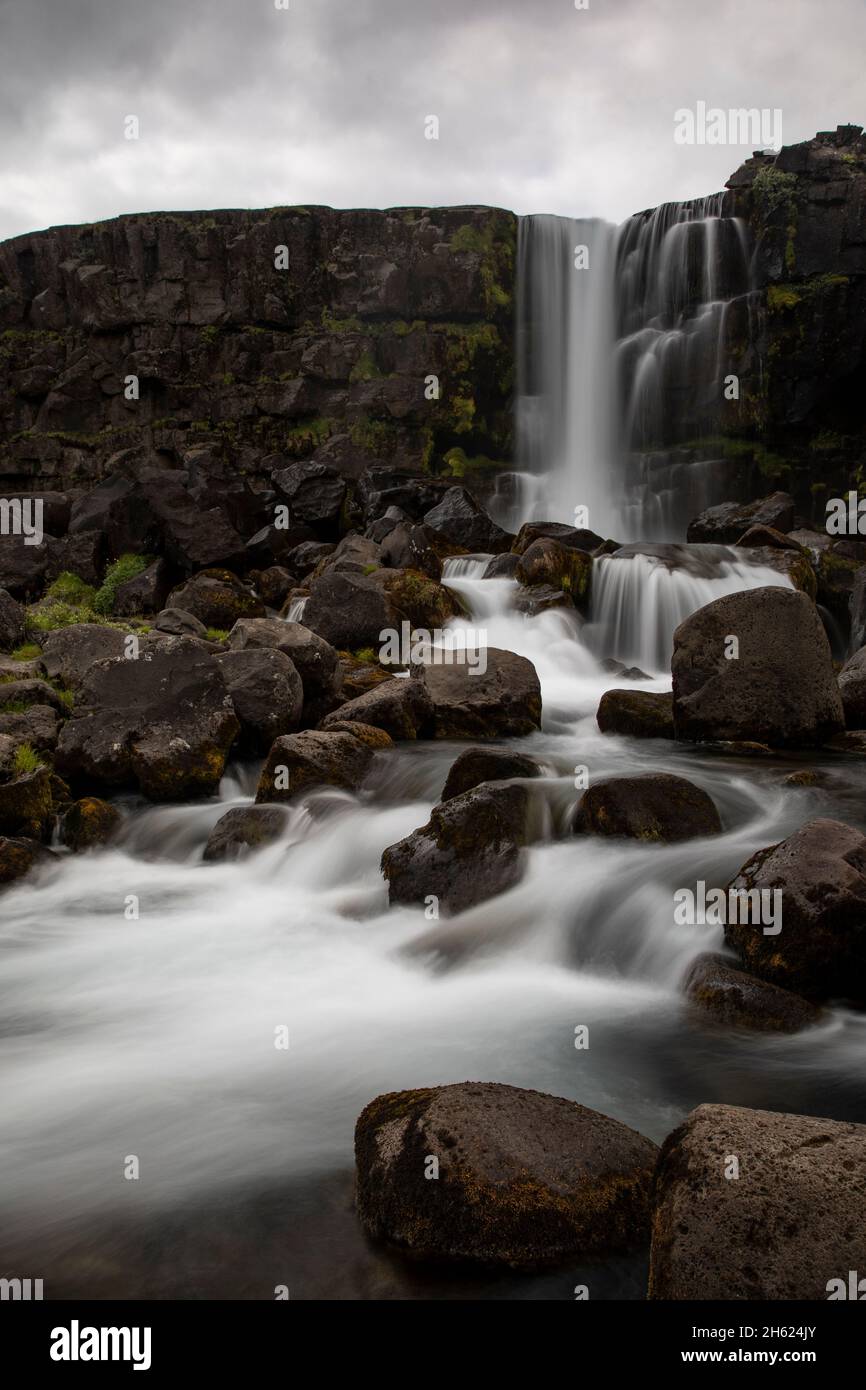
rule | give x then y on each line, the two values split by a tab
542	107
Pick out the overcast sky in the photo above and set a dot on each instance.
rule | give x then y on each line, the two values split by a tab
541	107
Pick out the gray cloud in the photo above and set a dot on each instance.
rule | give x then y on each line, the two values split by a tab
542	107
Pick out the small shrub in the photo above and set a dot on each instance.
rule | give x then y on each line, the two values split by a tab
26	760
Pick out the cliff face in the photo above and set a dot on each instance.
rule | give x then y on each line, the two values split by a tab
244	367
802	354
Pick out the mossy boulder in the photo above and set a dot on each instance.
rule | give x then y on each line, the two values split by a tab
524	1179
19	855
718	991
25	804
636	713
655	807
547	562
90	823
217	598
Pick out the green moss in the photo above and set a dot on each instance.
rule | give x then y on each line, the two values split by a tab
365	369
494	241
208	335
774	189
780	297
28	651
335	325
69	588
217	634
373	436
127	567
308	435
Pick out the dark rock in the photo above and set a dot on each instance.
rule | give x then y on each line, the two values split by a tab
459	517
502	566
163	723
29	692
11	622
764	536
540	598
477	765
399	705
792	1221
820	951
312	758
857	611
503	702
89	824
468	851
273	585
524	1179
636	713
315	493
37	725
145	593
304	557
731	997
19	855
628	673
217	598
852	688
22	567
69	652
243	830
654	806
348	610
25	804
409	547
315	660
367	733
547	562
358	675
725	524
382	487
780	690
572	537
266	692
176	622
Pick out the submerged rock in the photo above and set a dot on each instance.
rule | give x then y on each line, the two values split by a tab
244	829
524	1179
502	702
636	713
19	855
468	851
715	987
820	950
477	765
790	1222
775	686
312	758
656	807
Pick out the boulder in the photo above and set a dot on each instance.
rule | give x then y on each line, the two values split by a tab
266	692
399	705
243	830
524	1179
820	951
791	1221
217	598
767	536
779	689
163	723
415	598
852	688
729	996
540	598
178	623
303	558
636	714
314	491
11	622
19	855
357	676
348	610
314	659
502	702
463	522
727	523
89	823
572	537
37	725
273	585
502	566
468	851
144	593
477	765
22	567
313	758
655	807
382	487
25	804
367	733
408	546
29	692
547	562
69	652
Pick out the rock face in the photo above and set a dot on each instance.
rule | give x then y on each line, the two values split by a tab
300	762
246	370
737	1000
163	724
655	807
821	949
636	714
793	1220
503	702
780	689
468	851
525	1179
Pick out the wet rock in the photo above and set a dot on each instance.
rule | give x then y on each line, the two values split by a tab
399	705
19	855
636	713
547	562
524	1179
820	951
22	567
408	546
793	1220
145	592
477	765
502	566
764	536
720	991
313	758
779	689
358	675
727	523
314	659
367	733
795	565
217	598
502	702
89	823
459	517
243	830
69	652
163	723
540	598
178	623
626	673
572	537
354	555
11	622
382	487
414	598
852	688
266	692
655	807
273	585
468	851
25	804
